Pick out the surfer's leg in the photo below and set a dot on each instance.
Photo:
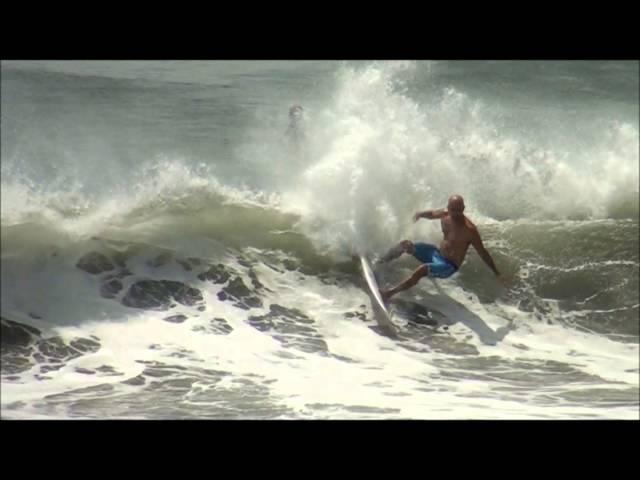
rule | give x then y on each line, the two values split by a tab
421	271
405	246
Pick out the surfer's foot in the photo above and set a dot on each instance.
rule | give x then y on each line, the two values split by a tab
386	295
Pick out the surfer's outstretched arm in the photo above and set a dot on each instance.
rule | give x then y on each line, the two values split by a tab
476	241
430	214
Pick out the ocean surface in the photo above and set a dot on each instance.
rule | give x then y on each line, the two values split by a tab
177	243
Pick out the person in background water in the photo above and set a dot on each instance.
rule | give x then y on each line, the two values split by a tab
295	131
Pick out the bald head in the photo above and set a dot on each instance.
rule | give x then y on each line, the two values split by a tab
456	206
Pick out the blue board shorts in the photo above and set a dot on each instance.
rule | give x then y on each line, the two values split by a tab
439	266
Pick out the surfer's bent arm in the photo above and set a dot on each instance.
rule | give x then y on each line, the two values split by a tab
476	241
430	214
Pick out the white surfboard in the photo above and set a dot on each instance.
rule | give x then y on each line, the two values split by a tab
380	311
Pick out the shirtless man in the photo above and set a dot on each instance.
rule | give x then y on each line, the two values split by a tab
458	232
